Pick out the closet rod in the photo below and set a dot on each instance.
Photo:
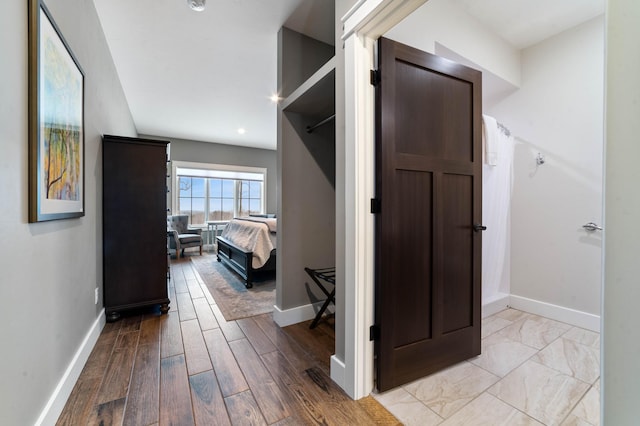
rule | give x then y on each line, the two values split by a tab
315	126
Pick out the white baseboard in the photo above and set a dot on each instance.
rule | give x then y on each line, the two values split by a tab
298	314
337	371
558	313
494	304
58	399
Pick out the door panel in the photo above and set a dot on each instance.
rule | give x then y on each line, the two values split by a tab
414	260
457	242
428	179
428	100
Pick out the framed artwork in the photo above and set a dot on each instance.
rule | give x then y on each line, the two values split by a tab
56	121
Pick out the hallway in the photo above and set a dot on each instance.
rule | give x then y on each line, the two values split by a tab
194	367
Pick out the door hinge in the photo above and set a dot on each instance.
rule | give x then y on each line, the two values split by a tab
374	333
376	205
375	77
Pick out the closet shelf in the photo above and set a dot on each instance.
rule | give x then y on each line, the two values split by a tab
316	96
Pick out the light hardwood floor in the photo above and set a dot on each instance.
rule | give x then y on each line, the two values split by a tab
191	366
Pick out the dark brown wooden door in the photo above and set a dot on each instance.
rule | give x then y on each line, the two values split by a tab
429	182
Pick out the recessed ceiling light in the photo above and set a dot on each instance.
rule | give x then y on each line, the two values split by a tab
275	98
242	131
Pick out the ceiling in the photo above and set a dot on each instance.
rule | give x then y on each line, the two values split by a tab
524	23
204	75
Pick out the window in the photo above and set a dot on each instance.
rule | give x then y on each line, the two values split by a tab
222	199
250	197
192	198
217	192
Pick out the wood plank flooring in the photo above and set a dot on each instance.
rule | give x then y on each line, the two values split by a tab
191	367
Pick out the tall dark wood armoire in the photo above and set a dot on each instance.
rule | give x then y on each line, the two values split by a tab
134	206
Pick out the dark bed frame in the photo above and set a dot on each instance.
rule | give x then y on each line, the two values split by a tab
241	261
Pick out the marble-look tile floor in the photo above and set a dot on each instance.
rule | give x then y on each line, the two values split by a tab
532	371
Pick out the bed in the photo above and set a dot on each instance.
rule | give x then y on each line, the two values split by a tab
248	246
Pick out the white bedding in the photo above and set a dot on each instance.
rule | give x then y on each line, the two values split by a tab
254	235
272	223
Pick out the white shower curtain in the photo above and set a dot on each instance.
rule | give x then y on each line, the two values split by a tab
496	205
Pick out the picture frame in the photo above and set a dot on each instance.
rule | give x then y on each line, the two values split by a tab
56	122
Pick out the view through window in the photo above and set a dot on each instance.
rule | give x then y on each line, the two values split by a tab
210	194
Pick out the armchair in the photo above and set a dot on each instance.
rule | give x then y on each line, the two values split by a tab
181	236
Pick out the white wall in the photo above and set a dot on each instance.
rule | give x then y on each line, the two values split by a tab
621	336
558	111
440	23
49	270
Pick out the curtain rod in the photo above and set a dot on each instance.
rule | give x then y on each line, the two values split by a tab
315	126
504	128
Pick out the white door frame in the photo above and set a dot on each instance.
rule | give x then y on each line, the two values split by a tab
363	24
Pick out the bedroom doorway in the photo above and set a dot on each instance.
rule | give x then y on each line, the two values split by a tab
428	228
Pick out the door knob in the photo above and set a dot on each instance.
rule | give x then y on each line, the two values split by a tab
591	227
477	227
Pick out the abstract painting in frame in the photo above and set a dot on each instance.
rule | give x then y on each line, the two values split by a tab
56	122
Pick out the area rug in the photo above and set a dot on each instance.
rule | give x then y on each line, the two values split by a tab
227	288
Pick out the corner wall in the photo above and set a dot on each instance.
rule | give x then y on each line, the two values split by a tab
558	111
440	23
50	270
307	173
342	7
306	237
621	335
